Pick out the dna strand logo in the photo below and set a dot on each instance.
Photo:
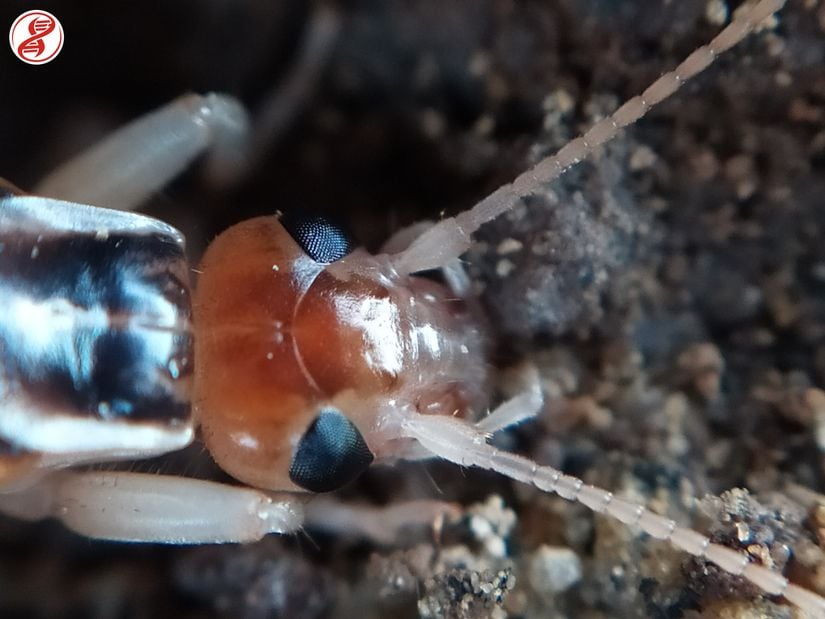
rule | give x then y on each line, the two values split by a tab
39	27
36	37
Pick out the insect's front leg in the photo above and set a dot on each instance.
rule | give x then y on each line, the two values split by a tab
379	524
143	156
139	159
137	507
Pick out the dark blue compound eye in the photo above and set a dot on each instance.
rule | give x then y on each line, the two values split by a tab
331	454
321	239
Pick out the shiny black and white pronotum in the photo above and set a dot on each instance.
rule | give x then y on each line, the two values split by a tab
94	328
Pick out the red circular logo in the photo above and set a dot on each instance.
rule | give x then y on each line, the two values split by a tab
36	37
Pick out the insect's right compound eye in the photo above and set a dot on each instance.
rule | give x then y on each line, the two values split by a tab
321	239
331	453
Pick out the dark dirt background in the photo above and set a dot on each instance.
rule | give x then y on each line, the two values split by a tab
671	291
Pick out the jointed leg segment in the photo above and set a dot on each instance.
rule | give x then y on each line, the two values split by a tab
139	159
142	157
381	525
138	507
134	507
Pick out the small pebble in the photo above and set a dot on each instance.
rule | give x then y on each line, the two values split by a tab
554	569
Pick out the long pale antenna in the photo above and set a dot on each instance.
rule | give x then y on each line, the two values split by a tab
451	237
459	442
455	440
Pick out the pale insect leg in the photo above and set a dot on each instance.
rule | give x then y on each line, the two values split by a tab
134	507
461	443
135	161
35	466
379	524
143	156
451	237
280	106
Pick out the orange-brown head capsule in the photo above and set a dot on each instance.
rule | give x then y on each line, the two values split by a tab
300	364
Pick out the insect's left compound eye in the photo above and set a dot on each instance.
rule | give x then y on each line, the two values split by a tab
321	239
331	453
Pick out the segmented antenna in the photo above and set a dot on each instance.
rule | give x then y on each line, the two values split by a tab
463	444
457	441
451	237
